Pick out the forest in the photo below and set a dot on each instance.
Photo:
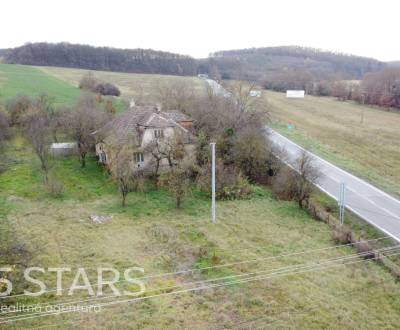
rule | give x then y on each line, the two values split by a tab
101	58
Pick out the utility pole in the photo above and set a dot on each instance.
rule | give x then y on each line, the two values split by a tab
342	196
213	218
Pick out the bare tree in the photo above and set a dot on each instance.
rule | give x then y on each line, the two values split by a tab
84	119
127	177
88	82
177	95
170	148
157	150
308	176
177	181
37	131
243	98
297	183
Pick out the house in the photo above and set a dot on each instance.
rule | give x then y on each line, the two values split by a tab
148	125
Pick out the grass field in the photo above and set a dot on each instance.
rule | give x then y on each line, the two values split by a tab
152	234
139	86
20	79
62	83
368	147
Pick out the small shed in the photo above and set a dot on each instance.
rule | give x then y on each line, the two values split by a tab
64	149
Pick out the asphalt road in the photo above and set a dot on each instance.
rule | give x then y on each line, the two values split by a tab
363	199
368	202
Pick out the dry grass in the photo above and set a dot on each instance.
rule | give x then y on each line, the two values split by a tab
152	234
139	86
333	129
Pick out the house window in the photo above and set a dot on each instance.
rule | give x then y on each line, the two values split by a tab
139	158
103	158
158	133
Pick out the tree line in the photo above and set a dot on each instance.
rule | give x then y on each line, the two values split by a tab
101	58
380	88
271	63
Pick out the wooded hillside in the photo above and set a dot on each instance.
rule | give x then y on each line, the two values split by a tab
259	63
101	58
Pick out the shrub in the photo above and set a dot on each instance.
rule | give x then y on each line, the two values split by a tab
365	247
283	184
88	82
230	183
18	108
342	234
107	89
5	131
251	154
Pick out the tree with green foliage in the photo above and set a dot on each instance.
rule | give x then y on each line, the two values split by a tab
251	154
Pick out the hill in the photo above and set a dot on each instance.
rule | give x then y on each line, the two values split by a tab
62	83
101	58
394	64
269	62
19	79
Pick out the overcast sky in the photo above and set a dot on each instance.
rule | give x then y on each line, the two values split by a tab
198	27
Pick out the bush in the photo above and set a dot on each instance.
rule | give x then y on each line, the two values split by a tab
342	234
18	108
365	247
230	183
90	83
5	131
251	154
107	89
283	184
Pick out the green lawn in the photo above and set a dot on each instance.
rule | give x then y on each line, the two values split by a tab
21	79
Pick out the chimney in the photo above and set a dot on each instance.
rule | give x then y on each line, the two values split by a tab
158	107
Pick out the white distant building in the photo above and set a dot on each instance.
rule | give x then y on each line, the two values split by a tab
255	93
295	94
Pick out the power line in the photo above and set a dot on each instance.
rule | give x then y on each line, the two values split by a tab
223	265
310	267
117	302
286	268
